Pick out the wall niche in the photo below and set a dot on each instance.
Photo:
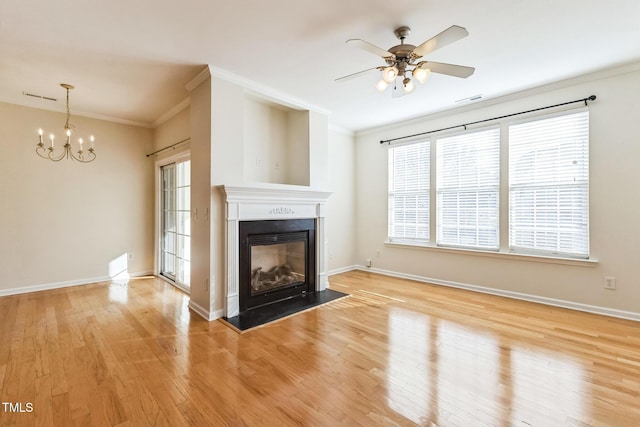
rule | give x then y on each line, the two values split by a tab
276	143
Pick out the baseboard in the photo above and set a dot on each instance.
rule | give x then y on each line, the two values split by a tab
629	315
342	270
65	284
204	313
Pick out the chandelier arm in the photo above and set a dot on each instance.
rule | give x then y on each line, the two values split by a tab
50	153
61	156
40	150
80	157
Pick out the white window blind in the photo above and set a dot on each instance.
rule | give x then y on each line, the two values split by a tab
409	193
549	185
468	180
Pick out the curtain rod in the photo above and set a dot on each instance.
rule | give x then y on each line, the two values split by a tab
170	146
389	141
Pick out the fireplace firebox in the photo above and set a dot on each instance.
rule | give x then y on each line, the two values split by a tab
276	261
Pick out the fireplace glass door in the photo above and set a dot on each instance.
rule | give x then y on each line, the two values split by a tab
277	261
277	265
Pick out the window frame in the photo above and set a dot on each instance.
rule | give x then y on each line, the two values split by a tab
496	188
504	250
426	191
533	251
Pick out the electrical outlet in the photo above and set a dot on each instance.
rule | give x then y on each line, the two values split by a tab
367	262
610	283
130	256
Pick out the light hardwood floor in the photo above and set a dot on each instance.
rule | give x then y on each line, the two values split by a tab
394	352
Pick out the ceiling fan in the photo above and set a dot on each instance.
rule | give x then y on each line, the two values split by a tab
403	59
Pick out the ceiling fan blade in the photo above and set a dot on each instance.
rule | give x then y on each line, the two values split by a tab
354	75
448	36
449	69
364	45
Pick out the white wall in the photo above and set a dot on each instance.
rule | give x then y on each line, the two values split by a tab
341	214
614	205
200	131
224	126
63	223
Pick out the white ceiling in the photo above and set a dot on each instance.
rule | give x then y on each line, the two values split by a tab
130	60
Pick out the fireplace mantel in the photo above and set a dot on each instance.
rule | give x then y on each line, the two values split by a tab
245	203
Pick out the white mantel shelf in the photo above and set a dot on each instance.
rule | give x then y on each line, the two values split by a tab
274	193
270	202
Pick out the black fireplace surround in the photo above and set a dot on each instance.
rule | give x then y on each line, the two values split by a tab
291	241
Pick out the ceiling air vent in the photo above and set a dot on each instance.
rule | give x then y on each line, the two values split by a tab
33	95
469	99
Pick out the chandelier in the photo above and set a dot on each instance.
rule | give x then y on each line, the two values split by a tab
67	152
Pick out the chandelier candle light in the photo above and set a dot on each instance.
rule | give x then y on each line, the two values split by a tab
50	152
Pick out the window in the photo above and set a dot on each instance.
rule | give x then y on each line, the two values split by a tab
409	192
549	185
468	180
175	243
545	162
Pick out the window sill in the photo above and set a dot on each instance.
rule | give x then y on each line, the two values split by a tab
503	255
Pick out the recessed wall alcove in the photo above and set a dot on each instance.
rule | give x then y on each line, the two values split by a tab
276	143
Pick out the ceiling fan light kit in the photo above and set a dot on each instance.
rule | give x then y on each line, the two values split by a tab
402	65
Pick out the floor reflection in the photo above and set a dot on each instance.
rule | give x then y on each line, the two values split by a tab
119	292
436	367
409	375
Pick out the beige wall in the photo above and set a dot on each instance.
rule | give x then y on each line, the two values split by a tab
614	205
63	223
177	128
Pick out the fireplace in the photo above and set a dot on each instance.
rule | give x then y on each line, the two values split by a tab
276	261
272	205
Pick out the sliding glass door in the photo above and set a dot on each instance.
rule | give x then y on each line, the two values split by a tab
175	232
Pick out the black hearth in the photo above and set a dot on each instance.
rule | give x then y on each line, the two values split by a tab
277	261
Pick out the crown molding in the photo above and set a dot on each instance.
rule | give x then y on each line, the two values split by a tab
265	92
57	109
195	82
341	130
172	112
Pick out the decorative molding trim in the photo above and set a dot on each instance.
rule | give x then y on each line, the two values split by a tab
65	284
195	82
60	109
172	112
202	312
294	194
265	92
341	130
604	311
342	270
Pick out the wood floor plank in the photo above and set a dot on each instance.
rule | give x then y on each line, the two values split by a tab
393	353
